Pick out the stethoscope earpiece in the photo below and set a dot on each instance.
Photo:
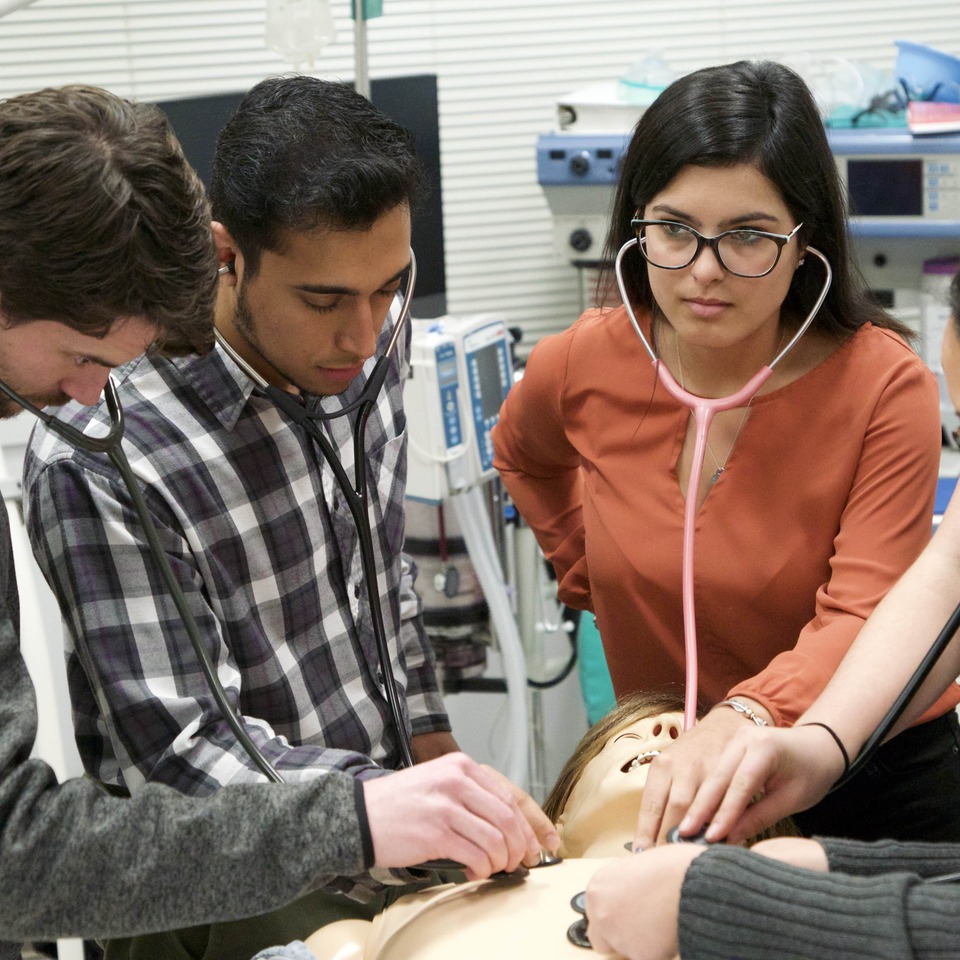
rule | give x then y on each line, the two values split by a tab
226	268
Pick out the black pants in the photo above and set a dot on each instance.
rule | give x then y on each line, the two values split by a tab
910	790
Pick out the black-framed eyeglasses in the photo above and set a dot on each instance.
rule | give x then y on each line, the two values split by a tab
744	253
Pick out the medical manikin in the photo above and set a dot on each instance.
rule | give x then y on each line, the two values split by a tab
595	804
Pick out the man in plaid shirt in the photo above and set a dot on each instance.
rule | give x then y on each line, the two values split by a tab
311	199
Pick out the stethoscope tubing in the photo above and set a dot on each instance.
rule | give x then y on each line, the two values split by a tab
355	494
703	409
357	501
229	713
111	445
876	739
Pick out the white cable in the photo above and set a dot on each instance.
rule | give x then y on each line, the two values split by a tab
471	512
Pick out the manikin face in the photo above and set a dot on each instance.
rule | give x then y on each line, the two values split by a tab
601	813
310	316
706	305
49	363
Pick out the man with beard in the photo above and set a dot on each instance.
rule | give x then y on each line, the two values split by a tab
311	198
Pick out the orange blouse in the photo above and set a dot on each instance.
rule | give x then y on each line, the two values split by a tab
827	497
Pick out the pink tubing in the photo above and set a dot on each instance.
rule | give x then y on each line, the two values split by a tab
703	410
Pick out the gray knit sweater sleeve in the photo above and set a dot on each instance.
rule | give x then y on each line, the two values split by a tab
738	904
76	862
886	856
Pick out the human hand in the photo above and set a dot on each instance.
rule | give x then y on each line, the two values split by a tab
541	824
796	851
787	769
429	746
680	770
452	808
633	902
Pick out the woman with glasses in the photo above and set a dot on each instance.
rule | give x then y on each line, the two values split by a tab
822	899
812	499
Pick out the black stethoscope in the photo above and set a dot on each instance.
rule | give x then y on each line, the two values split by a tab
356	497
355	494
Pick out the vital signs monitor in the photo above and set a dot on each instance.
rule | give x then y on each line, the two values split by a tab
460	372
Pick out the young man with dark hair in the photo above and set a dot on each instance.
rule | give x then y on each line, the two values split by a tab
311	195
106	252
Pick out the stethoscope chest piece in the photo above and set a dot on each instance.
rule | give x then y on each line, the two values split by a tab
577	934
577	931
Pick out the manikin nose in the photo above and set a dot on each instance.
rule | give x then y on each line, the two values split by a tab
670	729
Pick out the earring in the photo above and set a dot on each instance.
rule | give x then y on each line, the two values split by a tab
800	263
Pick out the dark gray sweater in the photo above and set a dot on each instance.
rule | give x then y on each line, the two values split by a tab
873	905
76	862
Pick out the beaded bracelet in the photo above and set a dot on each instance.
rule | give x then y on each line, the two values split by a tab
836	739
745	710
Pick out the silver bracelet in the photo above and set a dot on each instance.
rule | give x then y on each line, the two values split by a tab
745	710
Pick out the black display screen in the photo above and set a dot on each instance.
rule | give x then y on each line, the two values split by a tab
488	377
885	188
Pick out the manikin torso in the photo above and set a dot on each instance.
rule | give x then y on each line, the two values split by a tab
522	919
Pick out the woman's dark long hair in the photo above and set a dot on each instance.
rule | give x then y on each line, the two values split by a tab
761	113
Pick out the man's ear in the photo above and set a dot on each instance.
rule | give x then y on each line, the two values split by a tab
228	254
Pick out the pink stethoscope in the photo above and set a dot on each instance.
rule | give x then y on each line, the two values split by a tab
703	410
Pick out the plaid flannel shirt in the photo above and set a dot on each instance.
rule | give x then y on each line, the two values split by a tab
264	547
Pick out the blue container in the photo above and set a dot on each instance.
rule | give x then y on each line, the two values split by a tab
928	74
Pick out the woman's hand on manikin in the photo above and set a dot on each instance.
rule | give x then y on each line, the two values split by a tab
763	775
678	774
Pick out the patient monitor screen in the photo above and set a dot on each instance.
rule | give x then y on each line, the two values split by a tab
885	188
488	378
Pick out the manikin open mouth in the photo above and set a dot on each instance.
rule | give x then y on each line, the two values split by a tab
639	761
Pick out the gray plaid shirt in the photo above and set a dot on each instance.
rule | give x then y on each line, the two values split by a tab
265	549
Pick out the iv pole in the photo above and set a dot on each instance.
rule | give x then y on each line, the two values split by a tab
361	65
